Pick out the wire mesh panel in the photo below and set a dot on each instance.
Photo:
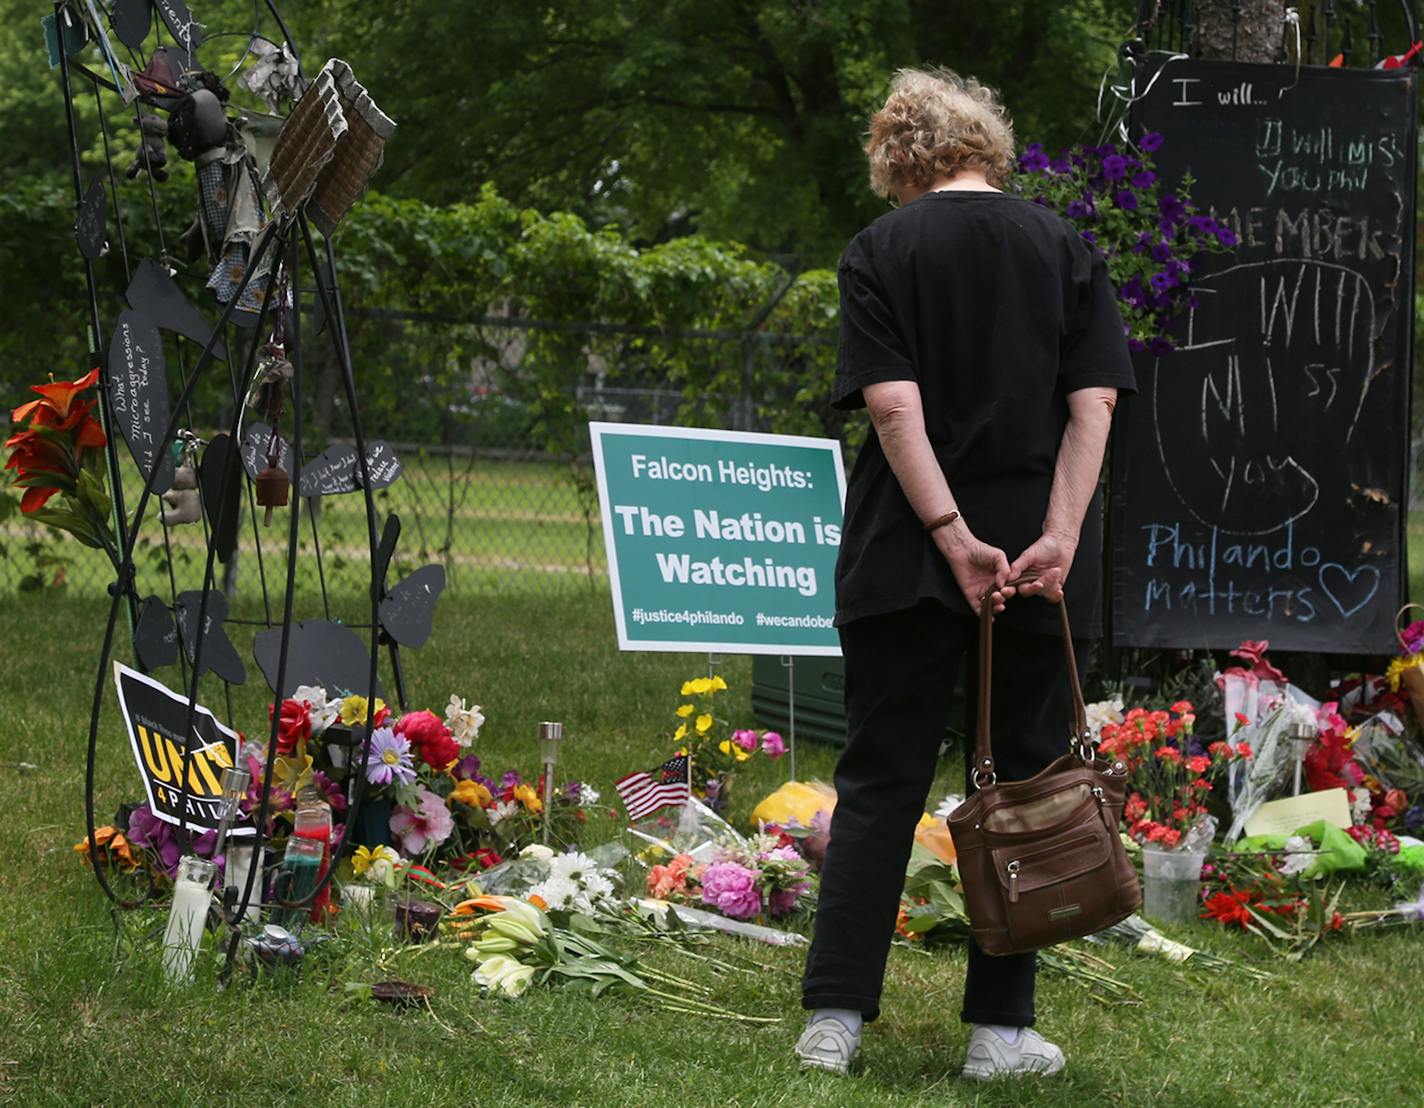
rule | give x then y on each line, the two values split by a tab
497	482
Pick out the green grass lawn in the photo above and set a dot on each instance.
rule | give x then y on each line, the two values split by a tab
88	1019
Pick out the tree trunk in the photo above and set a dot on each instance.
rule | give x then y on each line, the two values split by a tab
1256	36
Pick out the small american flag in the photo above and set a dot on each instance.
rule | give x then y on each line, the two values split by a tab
643	796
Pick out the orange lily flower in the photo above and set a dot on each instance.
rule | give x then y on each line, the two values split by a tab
57	397
110	840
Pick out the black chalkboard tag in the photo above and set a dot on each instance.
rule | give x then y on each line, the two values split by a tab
132	19
320	653
219	655
408	610
330	473
337	469
91	226
220	494
383	465
179	20
138	395
254	450
155	636
153	292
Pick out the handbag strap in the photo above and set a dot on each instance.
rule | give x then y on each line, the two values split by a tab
983	749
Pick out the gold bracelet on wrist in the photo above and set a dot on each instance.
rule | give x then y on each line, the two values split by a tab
942	521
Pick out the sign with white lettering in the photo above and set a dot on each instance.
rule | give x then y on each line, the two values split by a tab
164	745
720	540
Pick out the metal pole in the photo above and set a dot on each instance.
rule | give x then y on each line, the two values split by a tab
106	416
789	661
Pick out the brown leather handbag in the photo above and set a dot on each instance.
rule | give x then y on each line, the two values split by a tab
1041	860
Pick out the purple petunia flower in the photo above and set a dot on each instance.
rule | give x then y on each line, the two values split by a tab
1150	143
1114	167
1088	236
1060	164
1143	179
1226	236
1137	346
1172	208
1033	159
1125	200
1160	346
1080	209
1162	252
389	759
1204	224
146	830
511	779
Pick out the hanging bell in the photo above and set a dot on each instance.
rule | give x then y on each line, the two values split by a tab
272	487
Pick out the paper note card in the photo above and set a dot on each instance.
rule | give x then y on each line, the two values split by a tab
1281	817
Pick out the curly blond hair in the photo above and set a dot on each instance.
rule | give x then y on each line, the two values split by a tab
935	123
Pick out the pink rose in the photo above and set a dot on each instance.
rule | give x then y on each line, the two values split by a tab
747	740
773	745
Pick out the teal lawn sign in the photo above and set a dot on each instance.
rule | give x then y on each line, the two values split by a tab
720	541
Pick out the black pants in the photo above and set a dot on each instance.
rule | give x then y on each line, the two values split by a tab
900	671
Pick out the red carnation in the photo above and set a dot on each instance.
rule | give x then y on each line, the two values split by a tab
293	727
431	738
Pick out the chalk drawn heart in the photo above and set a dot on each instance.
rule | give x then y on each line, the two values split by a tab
1342	586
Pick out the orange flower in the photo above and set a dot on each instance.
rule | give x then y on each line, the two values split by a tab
46	456
55	398
111	842
472	793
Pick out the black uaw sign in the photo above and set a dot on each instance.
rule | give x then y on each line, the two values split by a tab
156	718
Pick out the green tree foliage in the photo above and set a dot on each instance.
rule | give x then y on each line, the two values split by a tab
738	120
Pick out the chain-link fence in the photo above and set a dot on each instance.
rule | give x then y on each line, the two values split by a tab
497	484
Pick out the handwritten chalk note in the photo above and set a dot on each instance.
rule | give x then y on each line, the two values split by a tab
1260	472
337	469
255	442
138	395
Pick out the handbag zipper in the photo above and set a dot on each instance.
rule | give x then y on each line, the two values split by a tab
1013	868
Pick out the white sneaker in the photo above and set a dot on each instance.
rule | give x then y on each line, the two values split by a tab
827	1044
990	1056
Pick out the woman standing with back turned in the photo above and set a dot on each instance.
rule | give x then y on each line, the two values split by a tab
983	335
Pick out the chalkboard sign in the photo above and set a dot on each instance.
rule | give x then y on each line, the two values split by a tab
1260	474
255	441
337	469
138	395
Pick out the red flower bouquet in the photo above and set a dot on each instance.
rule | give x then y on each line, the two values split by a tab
1170	774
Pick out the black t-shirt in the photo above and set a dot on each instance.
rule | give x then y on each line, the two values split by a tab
998	309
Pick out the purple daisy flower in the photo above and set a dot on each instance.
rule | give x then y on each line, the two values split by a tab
389	759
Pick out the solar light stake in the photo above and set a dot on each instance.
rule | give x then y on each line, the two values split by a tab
550	735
